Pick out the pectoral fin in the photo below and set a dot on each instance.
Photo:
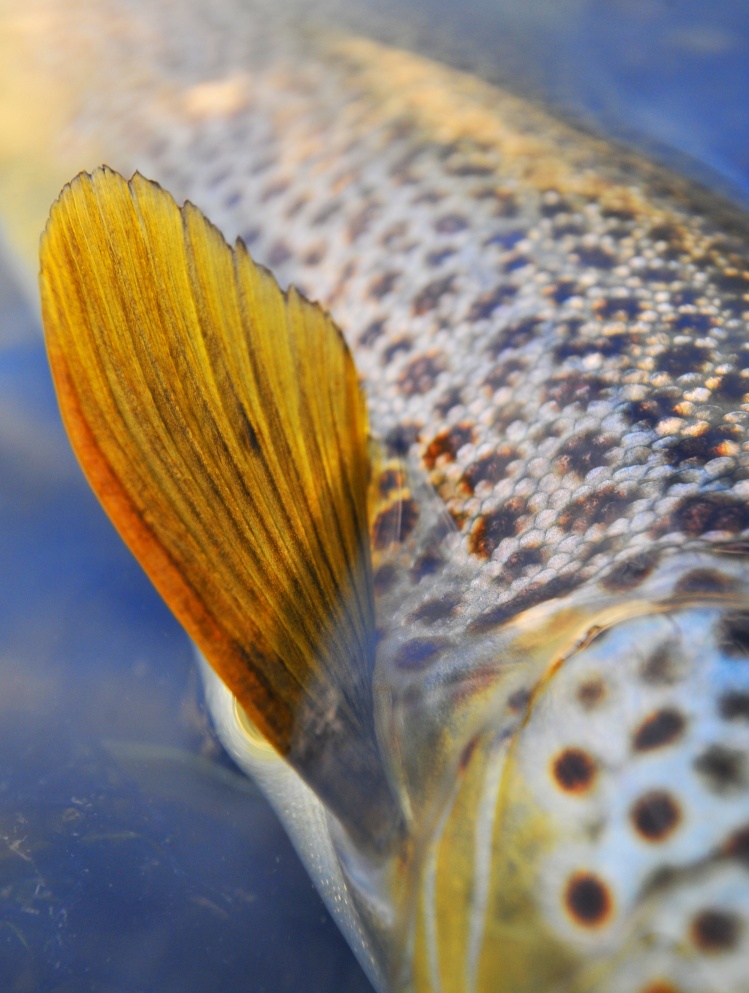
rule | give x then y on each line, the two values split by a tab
222	425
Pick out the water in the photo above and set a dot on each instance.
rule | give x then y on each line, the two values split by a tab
132	856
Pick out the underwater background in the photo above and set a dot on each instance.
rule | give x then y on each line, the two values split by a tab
133	857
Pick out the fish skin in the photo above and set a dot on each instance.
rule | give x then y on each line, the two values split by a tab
552	335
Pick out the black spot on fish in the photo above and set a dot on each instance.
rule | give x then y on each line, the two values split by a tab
436	258
426	565
569	388
395	523
562	290
656	815
384	578
489	469
451	398
448	443
715	931
506	239
500	374
733	281
737	845
660	667
429	297
418	653
595	257
650	411
722	768
531	596
704	581
493	527
697	323
659	729
421	373
698	514
399	345
588	900
602	506
734	706
371	333
399	439
733	635
516	563
383	284
698	449
733	386
574	770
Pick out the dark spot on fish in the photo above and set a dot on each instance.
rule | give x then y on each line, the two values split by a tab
733	386
574	770
516	262
698	449
602	506
315	255
696	323
737	845
591	693
467	754
649	411
595	257
451	398
394	524
577	346
393	233
250	236
450	224
656	815
515	335
431	611
623	308
583	452
325	213
426	565
399	439
518	701
681	359
232	199
588	900
698	514
371	333
296	207
628	574
274	189
417	653
448	443
383	284
278	254
506	239
562	290
734	706
471	169
550	207
531	596
421	373
495	526
390	480
384	578
516	563
362	221
618	213
659	729
568	388
436	258
715	931
428	298
704	581
657	274
733	635
660	667
485	305
733	281
722	768
665	232
428	197
499	375
399	345
490	468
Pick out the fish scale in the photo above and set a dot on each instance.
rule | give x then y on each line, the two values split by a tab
552	338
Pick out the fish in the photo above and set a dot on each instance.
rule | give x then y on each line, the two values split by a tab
426	414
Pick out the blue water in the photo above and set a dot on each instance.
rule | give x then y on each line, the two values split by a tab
132	857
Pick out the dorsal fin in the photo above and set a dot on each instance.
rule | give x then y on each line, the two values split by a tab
221	423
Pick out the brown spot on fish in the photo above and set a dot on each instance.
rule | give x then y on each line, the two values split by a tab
399	345
371	333
448	443
450	224
705	512
485	305
591	693
494	527
715	931
583	452
659	729
489	469
574	770
572	387
737	845
421	373
383	578
515	335
701	448
518	701
531	596
722	768
362	221
704	581
602	506
278	254
436	258
660	667
383	284
656	815
390	480
517	562
733	386
588	900
681	359
394	524
426	565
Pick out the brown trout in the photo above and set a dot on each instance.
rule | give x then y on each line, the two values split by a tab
479	628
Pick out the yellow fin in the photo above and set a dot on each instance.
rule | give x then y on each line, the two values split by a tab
221	423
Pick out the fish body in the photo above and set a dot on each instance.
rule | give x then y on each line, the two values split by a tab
551	335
